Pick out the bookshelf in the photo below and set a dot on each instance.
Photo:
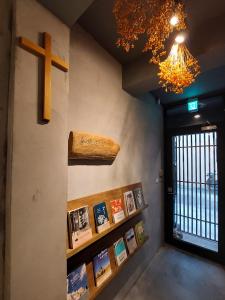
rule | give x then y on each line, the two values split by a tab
95	291
100	241
98	236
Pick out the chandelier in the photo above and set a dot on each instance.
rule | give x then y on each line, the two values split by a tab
150	17
179	70
157	19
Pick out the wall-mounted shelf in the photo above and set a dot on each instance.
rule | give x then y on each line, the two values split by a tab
98	236
91	201
95	291
100	241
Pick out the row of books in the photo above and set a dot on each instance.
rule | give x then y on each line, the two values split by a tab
79	227
77	281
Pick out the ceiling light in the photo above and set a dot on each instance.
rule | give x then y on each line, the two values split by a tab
197	116
174	21
180	39
135	18
179	70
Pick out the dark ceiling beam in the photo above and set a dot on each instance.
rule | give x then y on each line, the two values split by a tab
139	77
68	11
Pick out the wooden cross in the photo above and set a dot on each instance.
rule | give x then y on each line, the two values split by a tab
49	60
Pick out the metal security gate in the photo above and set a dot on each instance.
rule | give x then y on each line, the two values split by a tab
195	189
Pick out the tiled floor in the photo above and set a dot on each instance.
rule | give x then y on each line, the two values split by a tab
174	275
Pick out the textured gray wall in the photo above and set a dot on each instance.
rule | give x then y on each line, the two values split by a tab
5	43
98	104
36	231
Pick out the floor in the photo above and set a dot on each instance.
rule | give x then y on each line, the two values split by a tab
175	275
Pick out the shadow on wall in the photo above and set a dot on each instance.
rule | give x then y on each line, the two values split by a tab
82	162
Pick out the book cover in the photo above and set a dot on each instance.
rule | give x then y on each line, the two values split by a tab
117	210
79	226
130	240
77	284
101	217
139	232
129	202
102	267
120	251
139	198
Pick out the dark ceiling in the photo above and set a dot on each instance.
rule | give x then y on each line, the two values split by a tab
206	22
206	41
99	21
68	11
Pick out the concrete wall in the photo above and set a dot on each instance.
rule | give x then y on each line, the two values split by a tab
98	104
36	227
40	179
5	44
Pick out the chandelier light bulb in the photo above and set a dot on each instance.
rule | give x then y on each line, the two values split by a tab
174	50
180	39
174	21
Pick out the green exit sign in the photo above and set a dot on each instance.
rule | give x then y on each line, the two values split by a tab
192	105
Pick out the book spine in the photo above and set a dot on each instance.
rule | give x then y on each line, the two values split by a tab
69	230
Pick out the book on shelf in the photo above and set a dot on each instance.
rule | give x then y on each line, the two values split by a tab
140	233
131	240
139	198
117	210
79	228
129	202
120	251
102	267
101	217
77	284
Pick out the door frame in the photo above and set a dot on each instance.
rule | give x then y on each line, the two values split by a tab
216	256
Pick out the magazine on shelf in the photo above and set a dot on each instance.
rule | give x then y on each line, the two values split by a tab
129	202
117	210
131	240
120	251
101	217
79	226
102	267
139	198
140	233
77	284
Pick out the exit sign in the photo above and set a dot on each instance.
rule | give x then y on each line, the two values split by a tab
192	105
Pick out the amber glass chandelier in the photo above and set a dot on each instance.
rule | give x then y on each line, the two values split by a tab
179	70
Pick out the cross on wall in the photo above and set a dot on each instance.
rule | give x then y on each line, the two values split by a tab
49	60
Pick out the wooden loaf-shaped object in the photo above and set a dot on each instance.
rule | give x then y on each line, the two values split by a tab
87	146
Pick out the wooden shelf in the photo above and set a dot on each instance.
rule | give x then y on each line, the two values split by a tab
98	236
94	292
105	240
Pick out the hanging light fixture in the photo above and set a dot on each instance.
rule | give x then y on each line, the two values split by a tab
179	70
155	18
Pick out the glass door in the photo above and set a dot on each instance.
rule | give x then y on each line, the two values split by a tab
195	189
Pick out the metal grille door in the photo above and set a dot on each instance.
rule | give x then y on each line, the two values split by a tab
195	189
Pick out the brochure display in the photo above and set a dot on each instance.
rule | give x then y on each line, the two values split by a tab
112	241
